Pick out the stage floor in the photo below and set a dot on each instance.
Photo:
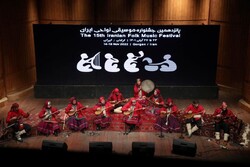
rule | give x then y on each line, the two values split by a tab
207	149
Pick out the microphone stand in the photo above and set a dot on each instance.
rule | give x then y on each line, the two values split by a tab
181	136
161	135
93	133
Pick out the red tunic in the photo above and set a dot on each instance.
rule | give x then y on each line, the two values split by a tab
137	89
16	114
114	97
108	107
78	107
195	110
227	114
52	109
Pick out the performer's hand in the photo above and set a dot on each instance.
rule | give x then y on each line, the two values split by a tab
13	118
190	112
218	115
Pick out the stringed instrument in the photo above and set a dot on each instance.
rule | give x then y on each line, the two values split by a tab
74	112
156	104
218	119
99	111
121	101
129	112
46	117
191	115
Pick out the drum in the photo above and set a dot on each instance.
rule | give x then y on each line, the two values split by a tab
147	85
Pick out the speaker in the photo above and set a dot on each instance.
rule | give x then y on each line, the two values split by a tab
183	147
100	148
143	149
54	146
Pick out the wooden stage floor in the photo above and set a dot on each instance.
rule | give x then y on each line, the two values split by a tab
207	150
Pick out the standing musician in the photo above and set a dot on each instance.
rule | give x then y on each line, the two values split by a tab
193	117
138	89
168	118
13	121
223	116
76	120
102	111
116	98
49	124
132	111
156	100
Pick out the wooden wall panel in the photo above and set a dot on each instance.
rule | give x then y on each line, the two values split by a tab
14	11
2	85
232	49
66	10
246	85
17	18
233	11
232	16
128	12
181	12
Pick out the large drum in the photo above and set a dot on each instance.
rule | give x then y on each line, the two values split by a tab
147	85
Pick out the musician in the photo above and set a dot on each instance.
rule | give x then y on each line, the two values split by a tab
133	109
116	98
13	120
49	124
102	111
138	89
194	114
223	116
142	100
76	120
168	118
156	101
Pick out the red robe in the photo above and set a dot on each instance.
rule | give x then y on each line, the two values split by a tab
19	113
78	107
137	90
135	117
195	110
52	109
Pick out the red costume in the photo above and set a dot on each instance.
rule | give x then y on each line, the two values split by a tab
76	120
193	113
102	120
116	96
168	120
132	119
14	121
156	101
49	124
223	118
138	90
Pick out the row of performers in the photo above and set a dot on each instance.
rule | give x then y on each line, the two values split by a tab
166	113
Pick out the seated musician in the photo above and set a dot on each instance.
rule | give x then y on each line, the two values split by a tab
131	111
193	117
102	111
76	120
13	121
167	120
143	101
49	124
156	102
223	116
116	98
138	89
